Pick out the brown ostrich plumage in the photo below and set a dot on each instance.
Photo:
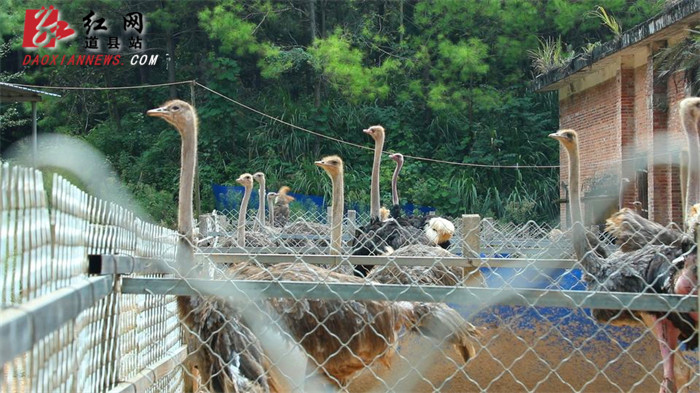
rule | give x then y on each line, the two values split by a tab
436	274
633	231
355	334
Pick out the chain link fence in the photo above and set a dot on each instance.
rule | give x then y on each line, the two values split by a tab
501	308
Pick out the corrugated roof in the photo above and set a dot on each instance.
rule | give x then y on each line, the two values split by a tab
12	93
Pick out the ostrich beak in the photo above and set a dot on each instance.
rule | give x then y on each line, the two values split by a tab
320	163
157	112
367	131
556	135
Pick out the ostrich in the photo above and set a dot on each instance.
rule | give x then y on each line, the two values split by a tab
438	230
299	230
355	334
209	321
377	236
437	274
282	201
651	268
249	238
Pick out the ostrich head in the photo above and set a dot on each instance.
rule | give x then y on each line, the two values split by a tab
691	105
568	138
383	213
333	165
178	113
246	180
376	132
259	177
397	157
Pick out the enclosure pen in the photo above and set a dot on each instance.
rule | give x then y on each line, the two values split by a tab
88	295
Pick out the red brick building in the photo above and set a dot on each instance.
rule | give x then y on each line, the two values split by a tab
626	115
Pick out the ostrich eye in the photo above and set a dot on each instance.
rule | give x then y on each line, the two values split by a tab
176	108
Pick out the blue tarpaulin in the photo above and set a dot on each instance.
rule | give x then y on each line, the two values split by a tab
229	197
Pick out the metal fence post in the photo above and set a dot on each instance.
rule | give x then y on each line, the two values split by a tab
471	235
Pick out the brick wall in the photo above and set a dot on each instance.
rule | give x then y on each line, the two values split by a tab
660	175
627	140
675	93
627	124
595	115
642	124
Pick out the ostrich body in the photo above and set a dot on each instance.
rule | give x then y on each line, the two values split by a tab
650	268
437	274
438	230
226	353
299	229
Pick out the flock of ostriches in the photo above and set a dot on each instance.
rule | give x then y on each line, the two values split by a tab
340	338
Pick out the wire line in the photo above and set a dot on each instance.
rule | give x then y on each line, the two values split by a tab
294	126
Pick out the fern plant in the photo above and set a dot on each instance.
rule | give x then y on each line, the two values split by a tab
608	20
549	55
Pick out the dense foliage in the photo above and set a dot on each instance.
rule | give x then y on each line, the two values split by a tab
448	80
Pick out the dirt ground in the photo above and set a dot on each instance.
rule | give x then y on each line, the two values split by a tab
544	357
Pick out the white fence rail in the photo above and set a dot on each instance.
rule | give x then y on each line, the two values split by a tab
60	329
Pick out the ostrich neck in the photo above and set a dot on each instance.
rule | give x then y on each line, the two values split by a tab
584	254
241	216
394	184
692	191
337	214
271	208
575	186
374	194
261	203
188	162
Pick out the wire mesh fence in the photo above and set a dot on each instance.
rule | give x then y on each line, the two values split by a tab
502	307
